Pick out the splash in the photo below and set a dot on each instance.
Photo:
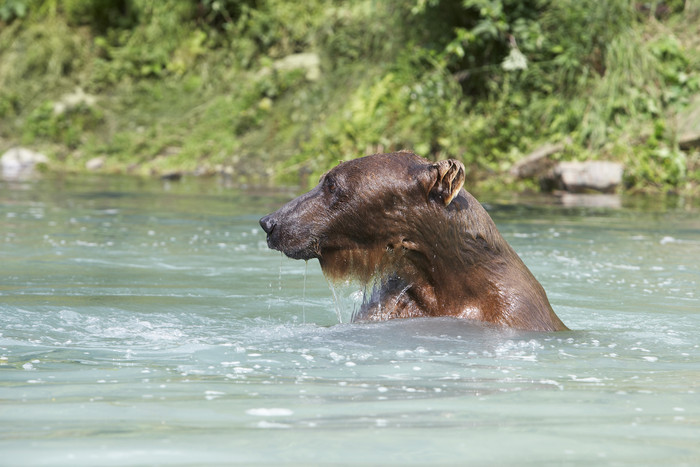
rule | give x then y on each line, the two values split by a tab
352	298
359	278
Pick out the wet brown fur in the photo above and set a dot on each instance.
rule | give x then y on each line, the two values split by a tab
409	223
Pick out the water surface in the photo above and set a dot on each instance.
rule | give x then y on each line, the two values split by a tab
144	323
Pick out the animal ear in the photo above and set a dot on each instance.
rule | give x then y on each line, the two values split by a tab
447	178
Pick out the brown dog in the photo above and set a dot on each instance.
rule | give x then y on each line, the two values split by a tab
407	221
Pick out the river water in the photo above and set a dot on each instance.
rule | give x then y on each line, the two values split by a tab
147	323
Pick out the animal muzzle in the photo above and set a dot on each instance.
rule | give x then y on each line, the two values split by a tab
268	224
294	245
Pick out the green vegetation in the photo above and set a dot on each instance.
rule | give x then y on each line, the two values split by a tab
279	90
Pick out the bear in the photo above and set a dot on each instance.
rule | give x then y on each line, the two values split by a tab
410	222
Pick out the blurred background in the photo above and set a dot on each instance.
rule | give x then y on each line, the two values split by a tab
275	91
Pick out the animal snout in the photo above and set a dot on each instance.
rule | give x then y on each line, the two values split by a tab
268	224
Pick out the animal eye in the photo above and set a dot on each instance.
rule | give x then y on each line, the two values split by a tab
330	185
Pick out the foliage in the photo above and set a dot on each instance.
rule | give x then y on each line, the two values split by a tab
101	15
64	125
13	9
206	84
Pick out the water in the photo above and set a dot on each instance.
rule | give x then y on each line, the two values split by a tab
148	324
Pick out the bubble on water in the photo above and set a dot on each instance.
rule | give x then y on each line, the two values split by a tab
211	395
586	379
336	357
272	425
552	383
270	412
520	350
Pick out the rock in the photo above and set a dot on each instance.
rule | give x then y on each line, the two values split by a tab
310	62
73	100
573	177
577	177
19	162
689	140
96	163
538	162
173	176
689	125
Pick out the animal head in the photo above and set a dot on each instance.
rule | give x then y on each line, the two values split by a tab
363	209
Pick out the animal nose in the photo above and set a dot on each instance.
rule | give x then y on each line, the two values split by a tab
268	224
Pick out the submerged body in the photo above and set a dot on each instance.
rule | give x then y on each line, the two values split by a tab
408	225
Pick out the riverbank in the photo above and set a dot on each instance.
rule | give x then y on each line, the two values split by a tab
276	93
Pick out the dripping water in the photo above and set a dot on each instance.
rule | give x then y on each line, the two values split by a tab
303	293
336	301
